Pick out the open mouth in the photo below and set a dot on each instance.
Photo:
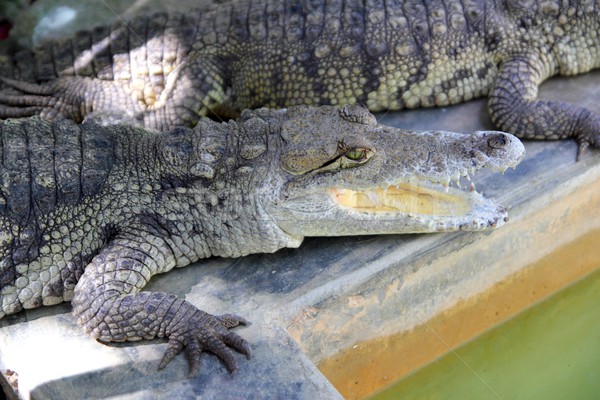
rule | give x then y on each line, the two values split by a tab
406	198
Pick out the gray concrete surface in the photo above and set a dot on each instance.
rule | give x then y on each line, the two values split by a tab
329	294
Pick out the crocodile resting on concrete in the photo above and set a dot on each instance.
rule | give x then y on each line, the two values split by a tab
164	71
90	213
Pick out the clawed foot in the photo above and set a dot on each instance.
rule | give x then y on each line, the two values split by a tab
205	332
46	99
33	99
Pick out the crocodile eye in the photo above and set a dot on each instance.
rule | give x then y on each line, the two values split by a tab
356	154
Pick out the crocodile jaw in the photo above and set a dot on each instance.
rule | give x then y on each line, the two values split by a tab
405	198
406	207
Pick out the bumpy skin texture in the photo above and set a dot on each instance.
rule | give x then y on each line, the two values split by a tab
169	70
90	213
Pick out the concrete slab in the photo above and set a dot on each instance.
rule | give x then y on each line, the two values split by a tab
307	304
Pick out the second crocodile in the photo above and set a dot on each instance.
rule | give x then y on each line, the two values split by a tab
163	71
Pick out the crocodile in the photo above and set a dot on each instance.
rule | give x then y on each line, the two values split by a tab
89	213
166	70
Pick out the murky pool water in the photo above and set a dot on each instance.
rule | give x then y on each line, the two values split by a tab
550	351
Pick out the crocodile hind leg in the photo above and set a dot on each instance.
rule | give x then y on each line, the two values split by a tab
514	107
191	90
70	97
108	304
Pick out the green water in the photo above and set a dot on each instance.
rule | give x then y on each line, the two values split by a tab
550	351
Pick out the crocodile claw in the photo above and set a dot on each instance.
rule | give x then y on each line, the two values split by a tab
588	135
208	333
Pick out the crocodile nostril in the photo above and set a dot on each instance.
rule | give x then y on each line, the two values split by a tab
359	114
498	141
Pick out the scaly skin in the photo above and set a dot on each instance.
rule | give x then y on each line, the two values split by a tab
90	213
164	70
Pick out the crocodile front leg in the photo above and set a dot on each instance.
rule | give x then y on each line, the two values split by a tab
108	305
514	107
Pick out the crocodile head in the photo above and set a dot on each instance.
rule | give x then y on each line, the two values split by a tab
341	173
